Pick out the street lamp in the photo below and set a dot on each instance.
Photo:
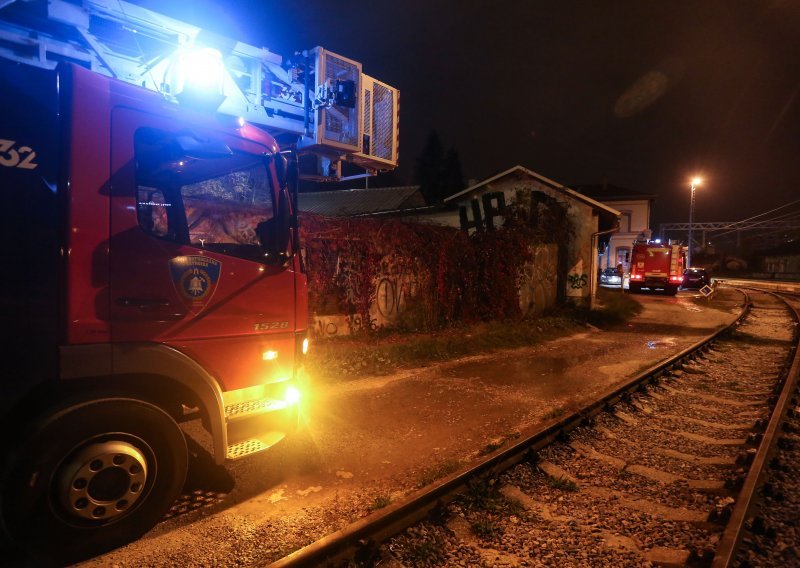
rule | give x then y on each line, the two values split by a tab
695	182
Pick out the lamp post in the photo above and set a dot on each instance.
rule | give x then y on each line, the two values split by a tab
695	182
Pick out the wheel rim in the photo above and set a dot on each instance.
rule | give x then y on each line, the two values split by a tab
102	481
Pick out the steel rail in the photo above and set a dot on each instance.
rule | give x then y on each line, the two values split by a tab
783	287
732	535
359	541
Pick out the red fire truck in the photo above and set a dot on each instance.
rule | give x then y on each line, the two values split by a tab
151	268
656	266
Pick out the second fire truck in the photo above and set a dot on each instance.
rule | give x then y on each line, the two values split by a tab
656	266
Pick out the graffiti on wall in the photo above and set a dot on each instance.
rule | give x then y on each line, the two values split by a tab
578	281
394	290
394	287
337	325
389	296
494	207
349	277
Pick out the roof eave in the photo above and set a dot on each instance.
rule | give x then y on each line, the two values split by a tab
571	192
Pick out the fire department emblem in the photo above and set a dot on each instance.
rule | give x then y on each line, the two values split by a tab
195	278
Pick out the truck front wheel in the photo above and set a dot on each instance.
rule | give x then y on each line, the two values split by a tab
92	477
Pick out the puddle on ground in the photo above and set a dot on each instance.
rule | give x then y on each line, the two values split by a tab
661	343
554	375
689	306
515	371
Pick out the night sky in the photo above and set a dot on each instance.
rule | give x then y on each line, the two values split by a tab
642	94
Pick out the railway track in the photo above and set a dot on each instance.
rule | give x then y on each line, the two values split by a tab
763	529
652	473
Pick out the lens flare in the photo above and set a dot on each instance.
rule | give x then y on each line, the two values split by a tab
292	395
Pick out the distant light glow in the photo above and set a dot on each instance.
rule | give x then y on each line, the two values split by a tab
305	346
269	355
240	121
696	181
658	241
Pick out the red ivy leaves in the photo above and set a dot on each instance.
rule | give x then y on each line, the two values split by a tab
458	277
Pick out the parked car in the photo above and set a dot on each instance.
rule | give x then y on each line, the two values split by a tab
610	277
695	278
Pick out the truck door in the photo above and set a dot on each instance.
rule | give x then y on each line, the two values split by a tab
188	268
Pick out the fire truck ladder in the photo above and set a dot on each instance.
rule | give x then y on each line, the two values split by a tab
322	102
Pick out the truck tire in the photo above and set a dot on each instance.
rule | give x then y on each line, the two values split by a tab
635	288
671	290
92	477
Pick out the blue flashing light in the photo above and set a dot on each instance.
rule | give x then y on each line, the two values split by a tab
198	77
201	69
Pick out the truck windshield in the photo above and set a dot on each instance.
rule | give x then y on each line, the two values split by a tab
214	203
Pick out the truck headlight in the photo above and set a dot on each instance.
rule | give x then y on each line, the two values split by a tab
292	395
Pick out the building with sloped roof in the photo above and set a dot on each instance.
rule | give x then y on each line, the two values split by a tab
634	207
482	202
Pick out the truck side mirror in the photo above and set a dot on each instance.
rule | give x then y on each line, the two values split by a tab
274	233
281	168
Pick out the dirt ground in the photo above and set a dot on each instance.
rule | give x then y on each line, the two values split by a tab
377	439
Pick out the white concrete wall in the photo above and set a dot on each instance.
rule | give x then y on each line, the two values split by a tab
634	223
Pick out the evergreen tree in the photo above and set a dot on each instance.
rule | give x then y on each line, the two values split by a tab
438	174
452	175
428	173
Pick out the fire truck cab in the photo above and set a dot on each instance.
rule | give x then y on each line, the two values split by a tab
152	273
153	279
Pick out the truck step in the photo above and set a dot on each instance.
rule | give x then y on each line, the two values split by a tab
245	448
253	445
251	408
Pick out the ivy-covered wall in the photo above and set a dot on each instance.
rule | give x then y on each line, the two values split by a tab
365	273
538	290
